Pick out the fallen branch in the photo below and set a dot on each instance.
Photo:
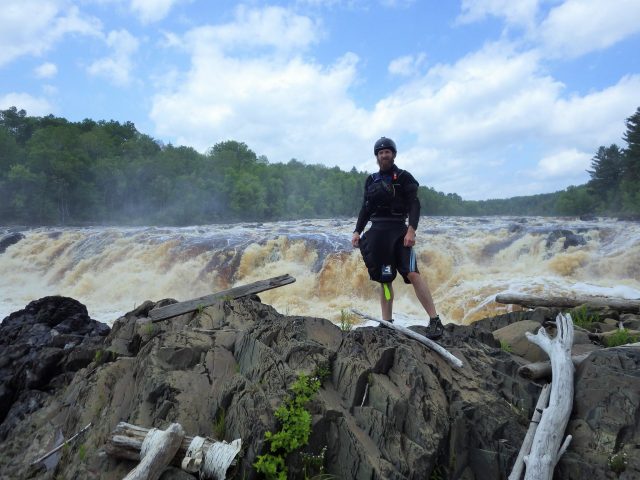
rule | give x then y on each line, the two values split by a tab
547	446
51	452
163	313
456	362
532	301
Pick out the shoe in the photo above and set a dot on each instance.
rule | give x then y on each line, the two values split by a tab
435	329
383	325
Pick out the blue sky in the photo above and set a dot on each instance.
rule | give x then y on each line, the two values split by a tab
485	98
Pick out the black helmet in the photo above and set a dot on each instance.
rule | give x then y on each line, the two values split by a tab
383	143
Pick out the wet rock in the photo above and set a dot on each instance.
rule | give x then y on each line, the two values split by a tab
570	239
10	239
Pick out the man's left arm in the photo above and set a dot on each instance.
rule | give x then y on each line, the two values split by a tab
413	208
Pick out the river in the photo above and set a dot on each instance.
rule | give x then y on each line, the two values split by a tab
466	261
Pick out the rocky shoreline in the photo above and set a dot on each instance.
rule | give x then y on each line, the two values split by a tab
388	408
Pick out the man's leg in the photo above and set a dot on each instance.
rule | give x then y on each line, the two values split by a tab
423	293
386	305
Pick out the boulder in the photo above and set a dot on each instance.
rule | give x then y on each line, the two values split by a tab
10	239
514	339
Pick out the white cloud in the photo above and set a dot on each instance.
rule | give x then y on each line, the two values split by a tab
35	106
46	70
466	126
562	164
521	13
117	67
272	27
577	27
31	27
407	65
150	11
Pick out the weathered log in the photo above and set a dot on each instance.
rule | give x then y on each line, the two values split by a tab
158	449
547	448
537	370
444	353
518	466
532	301
163	313
211	458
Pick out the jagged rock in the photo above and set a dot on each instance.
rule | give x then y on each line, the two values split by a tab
10	239
570	239
39	347
389	407
604	422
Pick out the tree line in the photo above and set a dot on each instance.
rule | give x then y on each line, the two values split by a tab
57	172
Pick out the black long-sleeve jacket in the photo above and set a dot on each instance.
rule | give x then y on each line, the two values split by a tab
402	204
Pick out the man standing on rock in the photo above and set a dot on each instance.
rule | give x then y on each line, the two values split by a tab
390	197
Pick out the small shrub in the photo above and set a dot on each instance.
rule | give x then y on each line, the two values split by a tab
82	452
620	337
582	317
295	427
346	320
618	462
505	347
98	356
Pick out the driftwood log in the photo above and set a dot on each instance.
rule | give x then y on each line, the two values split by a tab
158	449
444	353
193	454
547	446
543	400
532	301
537	370
175	309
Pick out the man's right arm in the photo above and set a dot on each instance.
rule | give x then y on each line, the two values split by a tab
363	218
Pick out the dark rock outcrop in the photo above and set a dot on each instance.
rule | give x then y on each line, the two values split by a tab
389	408
40	349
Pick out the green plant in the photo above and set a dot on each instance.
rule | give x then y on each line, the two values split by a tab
505	347
97	357
346	320
620	337
149	329
219	428
313	463
295	427
582	317
618	462
82	452
322	372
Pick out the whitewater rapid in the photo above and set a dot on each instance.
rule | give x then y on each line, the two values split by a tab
466	261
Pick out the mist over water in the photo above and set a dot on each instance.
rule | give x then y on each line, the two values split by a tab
466	261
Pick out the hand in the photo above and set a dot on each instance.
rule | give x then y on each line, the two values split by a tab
410	237
355	240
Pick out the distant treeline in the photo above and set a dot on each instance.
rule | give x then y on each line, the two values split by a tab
53	171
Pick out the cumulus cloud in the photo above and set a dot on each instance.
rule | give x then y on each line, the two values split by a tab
46	70
270	27
562	164
31	27
36	106
150	11
117	66
577	27
521	13
466	126
407	65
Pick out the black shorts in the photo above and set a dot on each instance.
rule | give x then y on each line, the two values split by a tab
382	248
